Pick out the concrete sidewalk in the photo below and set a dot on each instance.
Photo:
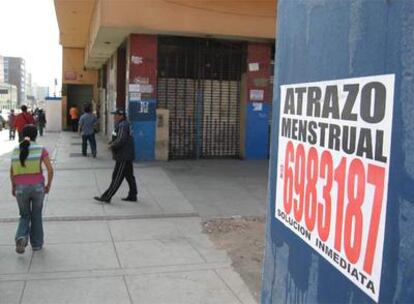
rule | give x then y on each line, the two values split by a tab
148	252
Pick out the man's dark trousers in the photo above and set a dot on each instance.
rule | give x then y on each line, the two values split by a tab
74	123
123	169
12	133
92	143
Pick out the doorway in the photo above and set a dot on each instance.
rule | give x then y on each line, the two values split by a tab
79	96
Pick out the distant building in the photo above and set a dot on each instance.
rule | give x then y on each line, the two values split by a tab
1	69
29	91
8	96
40	93
15	74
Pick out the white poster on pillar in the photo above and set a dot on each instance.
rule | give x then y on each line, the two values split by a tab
334	147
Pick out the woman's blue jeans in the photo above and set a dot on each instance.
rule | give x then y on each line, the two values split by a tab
30	199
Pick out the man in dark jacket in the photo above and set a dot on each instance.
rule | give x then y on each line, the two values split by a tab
122	146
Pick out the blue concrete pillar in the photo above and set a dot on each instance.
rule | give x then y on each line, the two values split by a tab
340	225
258	97
142	88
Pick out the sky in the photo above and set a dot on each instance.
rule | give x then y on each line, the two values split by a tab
29	29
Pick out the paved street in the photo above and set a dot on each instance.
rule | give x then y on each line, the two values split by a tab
147	252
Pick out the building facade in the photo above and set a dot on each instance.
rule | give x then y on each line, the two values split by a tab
201	81
8	96
1	69
15	74
40	92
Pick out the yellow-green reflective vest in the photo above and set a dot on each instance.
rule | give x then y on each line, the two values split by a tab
32	163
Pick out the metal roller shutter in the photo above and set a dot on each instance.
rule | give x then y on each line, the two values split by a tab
199	82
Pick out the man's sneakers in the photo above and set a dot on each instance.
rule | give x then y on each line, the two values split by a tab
21	244
130	199
100	199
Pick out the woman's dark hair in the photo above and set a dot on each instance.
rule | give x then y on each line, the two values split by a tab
29	134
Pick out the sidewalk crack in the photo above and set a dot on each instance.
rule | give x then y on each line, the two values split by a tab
227	285
127	288
22	294
113	244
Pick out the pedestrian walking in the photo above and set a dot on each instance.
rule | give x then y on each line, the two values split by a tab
122	147
28	186
41	121
2	122
23	119
12	128
87	125
74	116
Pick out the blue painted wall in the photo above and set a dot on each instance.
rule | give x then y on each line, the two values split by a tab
144	138
257	131
142	115
324	40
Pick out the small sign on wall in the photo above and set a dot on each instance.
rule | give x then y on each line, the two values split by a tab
137	60
71	75
135	96
256	95
141	80
141	88
257	106
254	67
143	110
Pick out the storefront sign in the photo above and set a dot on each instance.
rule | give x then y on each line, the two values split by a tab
333	168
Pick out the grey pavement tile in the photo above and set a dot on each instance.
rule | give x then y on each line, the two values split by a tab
236	284
172	202
8	231
201	287
156	253
5	186
67	193
207	250
75	207
11	262
9	209
76	232
4	176
76	291
70	257
188	226
74	178
10	292
6	195
145	229
142	207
